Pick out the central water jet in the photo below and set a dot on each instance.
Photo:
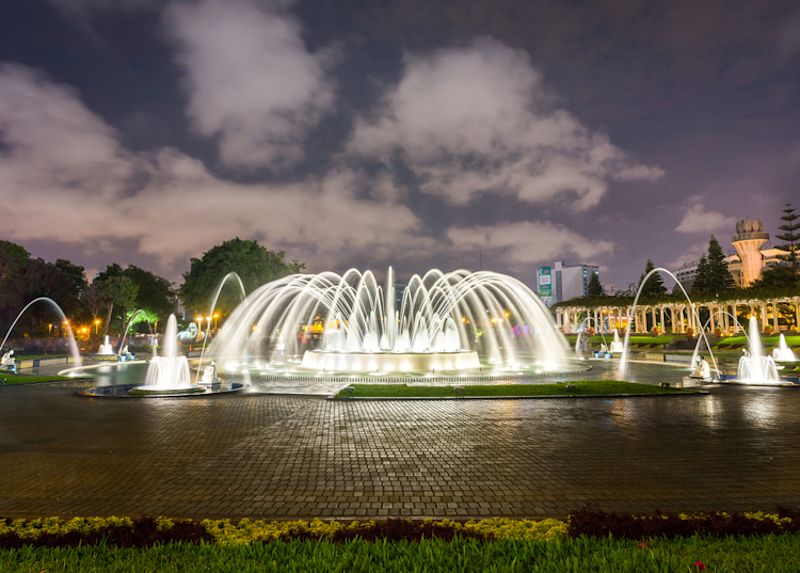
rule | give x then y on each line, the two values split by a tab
168	373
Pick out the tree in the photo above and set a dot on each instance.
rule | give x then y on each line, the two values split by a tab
117	290
790	236
13	260
776	281
712	276
700	284
719	277
61	281
154	293
255	265
655	285
595	288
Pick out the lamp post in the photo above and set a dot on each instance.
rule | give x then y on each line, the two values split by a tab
96	326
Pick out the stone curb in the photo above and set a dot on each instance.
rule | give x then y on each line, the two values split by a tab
543	397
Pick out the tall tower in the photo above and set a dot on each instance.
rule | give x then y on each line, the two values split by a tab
747	241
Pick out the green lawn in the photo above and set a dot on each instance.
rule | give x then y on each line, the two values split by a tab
8	378
635	339
768	553
578	388
767	341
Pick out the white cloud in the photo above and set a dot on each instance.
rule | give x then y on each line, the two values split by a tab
65	177
250	79
478	119
524	243
697	219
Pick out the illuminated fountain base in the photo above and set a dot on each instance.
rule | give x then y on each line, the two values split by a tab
333	361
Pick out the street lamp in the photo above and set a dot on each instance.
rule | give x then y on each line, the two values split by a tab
96	325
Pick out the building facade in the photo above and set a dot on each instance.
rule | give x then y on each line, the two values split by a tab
750	260
561	282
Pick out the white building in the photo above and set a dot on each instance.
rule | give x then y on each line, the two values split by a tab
563	282
750	261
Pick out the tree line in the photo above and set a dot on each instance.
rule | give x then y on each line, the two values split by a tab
107	302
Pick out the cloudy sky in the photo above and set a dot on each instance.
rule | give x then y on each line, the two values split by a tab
415	133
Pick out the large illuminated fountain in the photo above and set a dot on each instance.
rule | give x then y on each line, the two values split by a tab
440	323
754	367
168	373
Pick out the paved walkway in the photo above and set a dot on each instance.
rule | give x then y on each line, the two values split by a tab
283	456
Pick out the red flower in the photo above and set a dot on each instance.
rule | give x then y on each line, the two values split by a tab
700	565
643	545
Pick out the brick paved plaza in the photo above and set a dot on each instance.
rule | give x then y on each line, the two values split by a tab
282	456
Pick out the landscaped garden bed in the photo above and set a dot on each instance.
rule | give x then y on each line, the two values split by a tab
589	540
578	388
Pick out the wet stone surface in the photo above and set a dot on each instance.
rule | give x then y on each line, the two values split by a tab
278	456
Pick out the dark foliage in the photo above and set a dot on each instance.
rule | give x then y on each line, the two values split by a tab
790	235
593	522
595	288
254	264
655	284
404	530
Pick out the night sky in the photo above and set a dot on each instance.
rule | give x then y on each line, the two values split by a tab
412	133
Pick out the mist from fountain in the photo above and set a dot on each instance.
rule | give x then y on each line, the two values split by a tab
442	322
73	346
170	371
783	353
754	367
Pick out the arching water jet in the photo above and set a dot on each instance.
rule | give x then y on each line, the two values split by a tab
335	323
73	346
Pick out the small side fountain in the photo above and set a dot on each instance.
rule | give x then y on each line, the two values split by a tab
754	367
105	349
617	347
783	353
168	374
580	341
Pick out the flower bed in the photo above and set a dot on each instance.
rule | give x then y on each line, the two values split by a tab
144	532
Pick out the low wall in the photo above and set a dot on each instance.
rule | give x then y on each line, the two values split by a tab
678	358
36	363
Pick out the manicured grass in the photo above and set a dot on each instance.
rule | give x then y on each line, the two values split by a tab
635	339
767	341
790	367
578	388
8	378
773	553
